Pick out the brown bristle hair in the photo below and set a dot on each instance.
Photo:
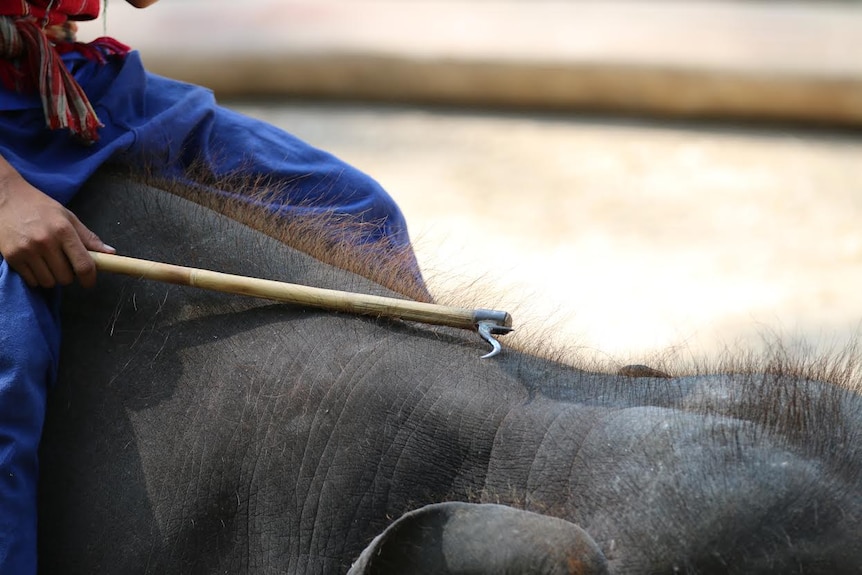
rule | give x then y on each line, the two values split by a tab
338	241
335	239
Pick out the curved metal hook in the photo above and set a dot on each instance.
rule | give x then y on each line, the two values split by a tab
487	329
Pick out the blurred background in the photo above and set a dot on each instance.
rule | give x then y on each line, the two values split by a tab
639	177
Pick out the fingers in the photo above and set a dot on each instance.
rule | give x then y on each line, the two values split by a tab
69	259
38	257
75	247
57	260
27	274
90	240
46	271
40	239
53	268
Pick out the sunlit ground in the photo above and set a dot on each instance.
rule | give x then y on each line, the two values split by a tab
629	238
625	238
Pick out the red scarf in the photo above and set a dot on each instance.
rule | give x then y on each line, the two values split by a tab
56	11
33	35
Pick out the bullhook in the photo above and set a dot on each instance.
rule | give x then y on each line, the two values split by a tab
487	322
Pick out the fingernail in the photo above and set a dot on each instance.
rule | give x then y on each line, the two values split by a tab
109	248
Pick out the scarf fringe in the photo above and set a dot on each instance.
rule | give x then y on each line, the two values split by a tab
64	102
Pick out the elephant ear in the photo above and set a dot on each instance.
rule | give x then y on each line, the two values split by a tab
468	538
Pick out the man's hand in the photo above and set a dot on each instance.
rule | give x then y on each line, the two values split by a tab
40	239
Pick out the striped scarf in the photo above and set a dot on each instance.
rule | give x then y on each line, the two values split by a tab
33	62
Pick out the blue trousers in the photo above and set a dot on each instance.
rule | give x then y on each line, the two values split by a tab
168	126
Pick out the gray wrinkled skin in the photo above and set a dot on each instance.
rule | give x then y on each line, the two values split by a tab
454	537
194	432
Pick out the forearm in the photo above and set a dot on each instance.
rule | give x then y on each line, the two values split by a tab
13	187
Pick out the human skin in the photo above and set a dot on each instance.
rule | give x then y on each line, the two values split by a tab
40	239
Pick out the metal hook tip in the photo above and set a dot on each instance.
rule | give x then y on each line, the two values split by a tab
486	328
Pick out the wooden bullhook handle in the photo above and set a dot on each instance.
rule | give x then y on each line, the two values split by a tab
348	302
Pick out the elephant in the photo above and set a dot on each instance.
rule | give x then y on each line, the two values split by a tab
199	432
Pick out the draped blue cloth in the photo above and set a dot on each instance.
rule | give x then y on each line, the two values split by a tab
29	349
168	126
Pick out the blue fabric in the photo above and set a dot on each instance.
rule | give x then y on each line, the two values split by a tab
163	124
171	125
29	345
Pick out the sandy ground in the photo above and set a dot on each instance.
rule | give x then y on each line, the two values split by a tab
624	238
629	238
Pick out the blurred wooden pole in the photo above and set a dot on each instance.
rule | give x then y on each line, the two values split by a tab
342	301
